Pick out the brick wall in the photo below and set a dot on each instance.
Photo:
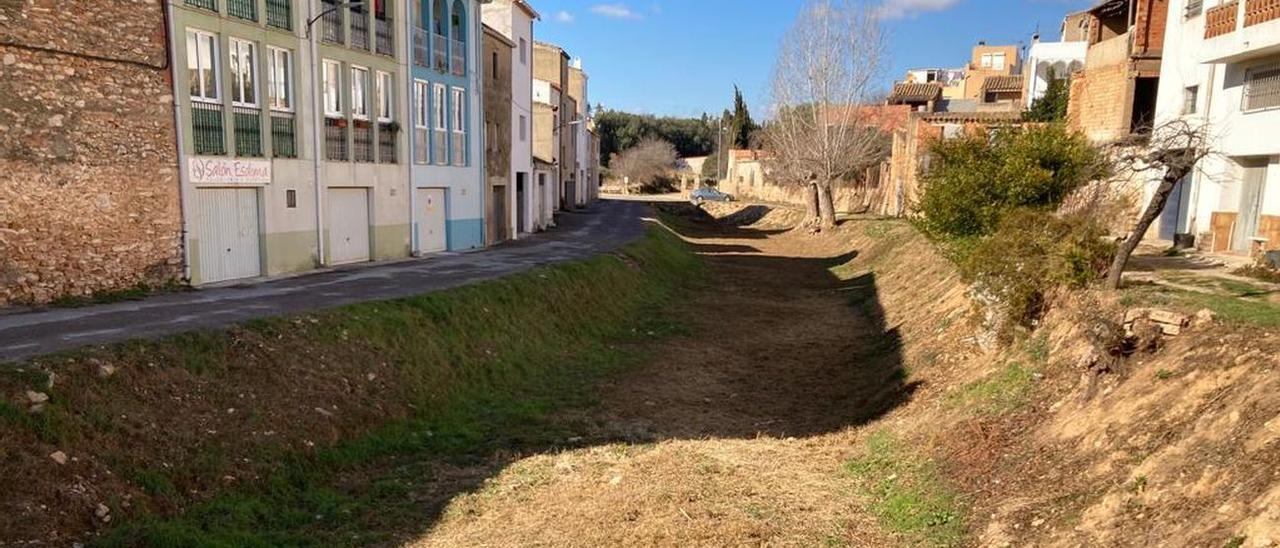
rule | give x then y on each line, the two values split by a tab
1148	29
1100	102
89	198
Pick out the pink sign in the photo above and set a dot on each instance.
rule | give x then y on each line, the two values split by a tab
226	171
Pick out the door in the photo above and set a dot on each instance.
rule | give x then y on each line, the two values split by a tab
226	235
522	215
1175	210
431	223
1255	177
569	199
348	225
498	223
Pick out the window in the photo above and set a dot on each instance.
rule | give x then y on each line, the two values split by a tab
524	52
1190	96
360	93
1262	88
421	111
997	61
495	65
459	108
386	97
244	73
279	79
440	143
291	199
1194	7
332	89
986	60
523	128
202	66
439	103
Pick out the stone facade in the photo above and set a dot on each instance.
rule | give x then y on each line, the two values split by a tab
90	197
497	123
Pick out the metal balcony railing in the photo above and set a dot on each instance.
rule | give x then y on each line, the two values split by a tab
1260	11
1221	20
331	25
359	29
284	142
440	52
207	129
335	140
280	14
211	5
387	153
421	146
458	57
385	38
362	136
440	147
420	39
248	128
244	9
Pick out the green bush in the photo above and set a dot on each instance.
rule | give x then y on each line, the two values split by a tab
979	178
1031	253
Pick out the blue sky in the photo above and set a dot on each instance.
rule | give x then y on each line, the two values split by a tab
682	57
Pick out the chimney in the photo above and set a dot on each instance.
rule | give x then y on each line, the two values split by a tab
982	42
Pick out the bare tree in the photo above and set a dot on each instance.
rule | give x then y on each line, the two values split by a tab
1174	151
644	164
820	130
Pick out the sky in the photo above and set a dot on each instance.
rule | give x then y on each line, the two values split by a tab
683	57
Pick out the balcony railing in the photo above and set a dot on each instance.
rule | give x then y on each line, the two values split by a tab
440	52
421	145
1221	20
211	5
284	128
331	25
244	9
207	128
335	140
440	147
387	143
420	39
459	148
248	128
385	38
1260	11
458	57
362	135
280	14
359	29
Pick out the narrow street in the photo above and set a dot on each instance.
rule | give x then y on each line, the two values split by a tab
604	227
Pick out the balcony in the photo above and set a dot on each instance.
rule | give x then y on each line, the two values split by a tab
458	57
1241	30
421	146
248	128
359	30
387	143
420	39
440	52
459	148
335	140
331	25
280	14
363	137
440	147
211	5
206	129
385	38
244	9
284	142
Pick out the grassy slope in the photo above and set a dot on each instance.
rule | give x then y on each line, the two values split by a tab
473	369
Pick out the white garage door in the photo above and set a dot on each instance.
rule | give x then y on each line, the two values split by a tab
225	235
348	225
431	222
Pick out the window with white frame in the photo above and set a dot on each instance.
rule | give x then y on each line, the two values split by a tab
997	61
1262	88
360	93
986	60
421	113
440	143
202	66
279	79
332	89
244	73
459	109
439	103
1190	96
386	97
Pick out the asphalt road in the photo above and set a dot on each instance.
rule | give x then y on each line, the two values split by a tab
604	227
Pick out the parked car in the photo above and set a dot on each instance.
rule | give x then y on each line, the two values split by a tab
708	194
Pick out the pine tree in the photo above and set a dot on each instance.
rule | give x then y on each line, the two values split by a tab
1053	106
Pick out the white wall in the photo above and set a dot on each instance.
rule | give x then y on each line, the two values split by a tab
517	25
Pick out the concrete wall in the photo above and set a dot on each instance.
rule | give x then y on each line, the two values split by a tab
90	196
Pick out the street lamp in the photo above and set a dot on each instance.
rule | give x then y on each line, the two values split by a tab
317	119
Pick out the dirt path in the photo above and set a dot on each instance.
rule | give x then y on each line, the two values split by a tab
733	435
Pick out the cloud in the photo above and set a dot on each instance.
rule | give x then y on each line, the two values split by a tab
898	9
615	11
563	17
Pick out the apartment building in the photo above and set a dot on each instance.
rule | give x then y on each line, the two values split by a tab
446	177
585	164
499	209
551	83
989	71
1114	96
90	199
514	19
1222	72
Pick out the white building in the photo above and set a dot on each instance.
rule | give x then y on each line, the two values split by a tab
578	87
1222	69
1047	61
514	19
546	108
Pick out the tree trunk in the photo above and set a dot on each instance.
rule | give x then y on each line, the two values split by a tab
811	215
1154	208
826	206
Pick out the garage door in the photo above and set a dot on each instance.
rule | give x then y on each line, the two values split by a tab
348	225
431	221
225	235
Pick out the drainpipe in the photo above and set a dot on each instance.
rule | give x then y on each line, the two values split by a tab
179	136
317	122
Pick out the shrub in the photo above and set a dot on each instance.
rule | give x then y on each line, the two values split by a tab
1031	253
979	178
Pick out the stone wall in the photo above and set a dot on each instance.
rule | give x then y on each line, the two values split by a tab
89	199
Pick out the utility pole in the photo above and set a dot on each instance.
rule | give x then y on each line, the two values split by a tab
719	152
